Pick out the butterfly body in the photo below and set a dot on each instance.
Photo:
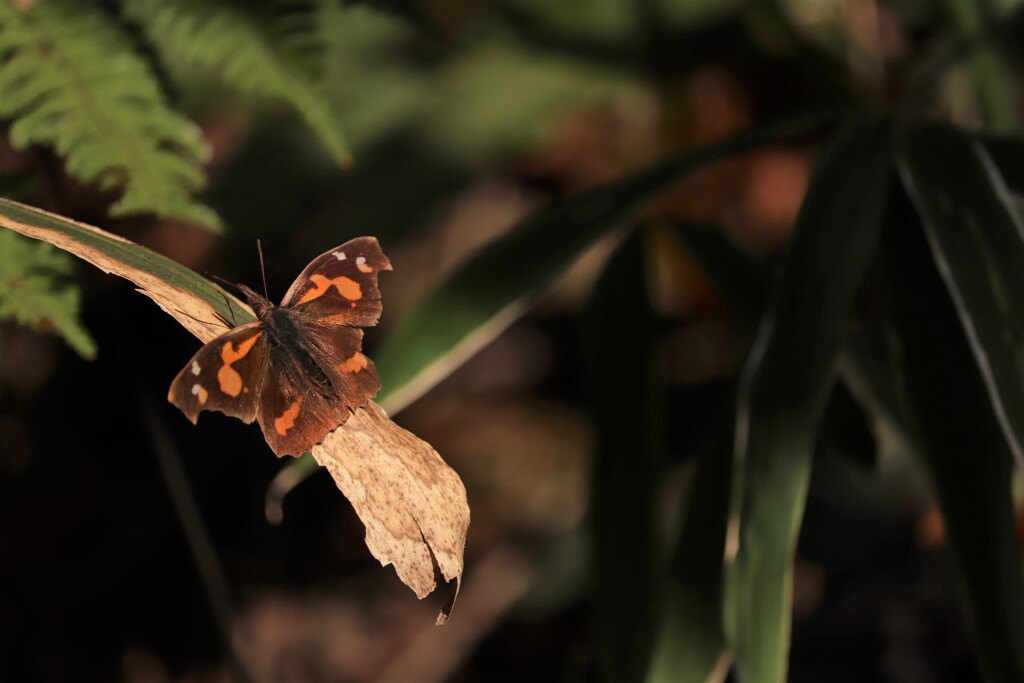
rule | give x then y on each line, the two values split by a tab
299	370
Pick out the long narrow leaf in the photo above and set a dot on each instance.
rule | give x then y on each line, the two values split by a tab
787	378
168	283
977	241
963	447
690	644
494	287
497	285
625	408
1007	153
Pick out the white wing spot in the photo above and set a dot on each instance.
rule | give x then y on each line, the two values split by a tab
195	370
340	255
195	389
361	260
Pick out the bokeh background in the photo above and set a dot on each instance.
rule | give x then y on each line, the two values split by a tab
136	547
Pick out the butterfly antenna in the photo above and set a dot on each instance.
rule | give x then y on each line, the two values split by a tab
263	271
221	280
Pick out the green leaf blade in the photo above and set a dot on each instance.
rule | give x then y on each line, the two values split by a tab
624	405
76	238
787	378
690	645
963	448
497	284
977	240
1007	152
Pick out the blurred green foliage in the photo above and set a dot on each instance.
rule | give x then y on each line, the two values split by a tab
37	289
263	50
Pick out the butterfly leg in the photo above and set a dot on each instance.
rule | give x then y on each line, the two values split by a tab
200	320
231	310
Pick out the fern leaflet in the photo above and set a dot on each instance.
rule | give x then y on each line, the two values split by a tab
36	290
258	52
69	78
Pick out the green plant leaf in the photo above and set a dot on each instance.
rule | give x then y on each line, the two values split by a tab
1007	153
69	78
977	240
786	380
625	407
964	446
252	52
745	282
36	290
690	645
496	285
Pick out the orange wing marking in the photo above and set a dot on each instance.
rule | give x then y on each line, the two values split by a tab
287	420
346	286
354	364
228	378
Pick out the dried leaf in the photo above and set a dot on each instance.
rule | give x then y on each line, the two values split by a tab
193	301
412	503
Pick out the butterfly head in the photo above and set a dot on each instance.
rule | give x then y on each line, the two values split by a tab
261	306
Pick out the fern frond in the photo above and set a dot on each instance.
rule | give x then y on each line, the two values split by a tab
36	290
69	78
253	51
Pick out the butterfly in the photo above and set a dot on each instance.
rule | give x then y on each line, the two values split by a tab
299	371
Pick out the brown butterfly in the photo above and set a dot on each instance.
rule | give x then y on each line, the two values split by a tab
299	370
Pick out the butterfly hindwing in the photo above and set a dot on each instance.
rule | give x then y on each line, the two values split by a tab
336	350
340	286
298	405
224	375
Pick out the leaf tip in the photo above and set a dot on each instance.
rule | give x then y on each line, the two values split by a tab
449	601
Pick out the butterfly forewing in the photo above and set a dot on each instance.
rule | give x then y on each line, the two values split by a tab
340	286
224	375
